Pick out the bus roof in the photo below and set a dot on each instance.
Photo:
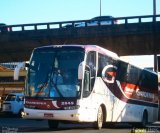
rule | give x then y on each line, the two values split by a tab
101	50
87	48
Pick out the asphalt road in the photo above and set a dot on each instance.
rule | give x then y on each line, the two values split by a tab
14	125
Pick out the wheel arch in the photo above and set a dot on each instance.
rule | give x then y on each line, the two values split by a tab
145	111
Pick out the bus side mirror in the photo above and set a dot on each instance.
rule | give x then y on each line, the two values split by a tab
81	70
17	70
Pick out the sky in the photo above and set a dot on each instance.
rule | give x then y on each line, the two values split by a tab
39	11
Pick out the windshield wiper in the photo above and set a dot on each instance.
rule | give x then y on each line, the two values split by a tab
49	82
52	72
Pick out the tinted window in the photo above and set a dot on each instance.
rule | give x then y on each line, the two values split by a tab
91	62
103	61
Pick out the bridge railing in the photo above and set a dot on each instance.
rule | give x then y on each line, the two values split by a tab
80	23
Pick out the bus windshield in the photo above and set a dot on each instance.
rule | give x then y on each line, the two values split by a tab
53	73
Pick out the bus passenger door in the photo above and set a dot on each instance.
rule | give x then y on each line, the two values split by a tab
88	105
88	83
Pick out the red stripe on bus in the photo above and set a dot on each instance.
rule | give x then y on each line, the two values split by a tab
125	85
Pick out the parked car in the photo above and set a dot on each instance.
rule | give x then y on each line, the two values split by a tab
102	20
14	103
3	28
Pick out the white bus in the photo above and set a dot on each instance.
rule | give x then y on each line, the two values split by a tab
87	83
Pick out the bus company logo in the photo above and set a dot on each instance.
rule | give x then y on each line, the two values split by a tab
48	106
109	73
144	94
35	102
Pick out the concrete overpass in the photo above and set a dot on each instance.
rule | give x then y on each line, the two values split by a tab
138	35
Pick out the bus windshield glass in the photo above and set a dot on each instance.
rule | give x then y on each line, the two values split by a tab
53	73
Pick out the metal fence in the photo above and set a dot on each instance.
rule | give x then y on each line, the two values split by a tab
73	24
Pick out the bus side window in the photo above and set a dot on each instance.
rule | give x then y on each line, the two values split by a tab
86	85
122	72
91	62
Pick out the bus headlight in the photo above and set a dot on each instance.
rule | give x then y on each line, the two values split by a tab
23	114
71	107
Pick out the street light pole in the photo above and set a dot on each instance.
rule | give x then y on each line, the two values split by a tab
100	7
154	7
154	38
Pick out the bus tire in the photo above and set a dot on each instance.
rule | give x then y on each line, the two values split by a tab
99	122
53	124
144	119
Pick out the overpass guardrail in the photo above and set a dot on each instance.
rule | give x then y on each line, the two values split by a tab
56	25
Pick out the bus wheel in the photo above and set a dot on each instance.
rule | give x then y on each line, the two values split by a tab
144	119
53	124
99	122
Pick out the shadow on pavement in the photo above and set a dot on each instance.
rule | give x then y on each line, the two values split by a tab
8	115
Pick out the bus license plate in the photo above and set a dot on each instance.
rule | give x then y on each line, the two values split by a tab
48	115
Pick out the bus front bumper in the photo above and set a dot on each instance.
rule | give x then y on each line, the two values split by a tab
66	115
